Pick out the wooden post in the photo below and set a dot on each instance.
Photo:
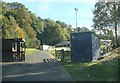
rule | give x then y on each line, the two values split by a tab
55	54
62	55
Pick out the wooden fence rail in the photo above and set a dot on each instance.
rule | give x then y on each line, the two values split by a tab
63	55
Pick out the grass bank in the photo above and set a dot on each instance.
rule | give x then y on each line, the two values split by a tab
93	71
105	69
30	51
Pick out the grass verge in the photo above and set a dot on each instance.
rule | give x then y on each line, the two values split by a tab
93	71
30	51
103	70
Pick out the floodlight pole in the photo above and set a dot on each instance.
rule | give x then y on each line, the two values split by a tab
76	16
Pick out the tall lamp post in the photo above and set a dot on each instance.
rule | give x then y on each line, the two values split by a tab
76	16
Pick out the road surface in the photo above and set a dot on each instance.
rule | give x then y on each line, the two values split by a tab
41	66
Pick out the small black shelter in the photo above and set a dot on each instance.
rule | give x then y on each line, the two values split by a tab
85	47
13	50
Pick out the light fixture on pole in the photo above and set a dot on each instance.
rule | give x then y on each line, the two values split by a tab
76	16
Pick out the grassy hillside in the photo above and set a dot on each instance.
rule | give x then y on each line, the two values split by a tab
105	69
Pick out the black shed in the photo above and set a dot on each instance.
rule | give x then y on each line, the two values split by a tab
13	50
85	47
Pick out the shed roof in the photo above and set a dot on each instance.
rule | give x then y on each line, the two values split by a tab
85	33
14	39
64	43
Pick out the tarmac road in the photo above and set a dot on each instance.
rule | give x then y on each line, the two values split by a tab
41	66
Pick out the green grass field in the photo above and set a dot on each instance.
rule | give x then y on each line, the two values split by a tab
93	71
103	70
30	51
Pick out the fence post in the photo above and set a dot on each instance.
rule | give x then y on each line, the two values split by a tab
62	55
55	54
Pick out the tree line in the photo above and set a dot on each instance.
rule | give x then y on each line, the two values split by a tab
19	22
107	20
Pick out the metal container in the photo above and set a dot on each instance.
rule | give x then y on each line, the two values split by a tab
85	47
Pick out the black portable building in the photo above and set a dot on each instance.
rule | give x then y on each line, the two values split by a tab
85	47
13	50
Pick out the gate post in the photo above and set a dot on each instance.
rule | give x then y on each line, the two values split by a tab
62	55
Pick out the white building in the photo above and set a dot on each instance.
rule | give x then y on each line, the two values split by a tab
44	47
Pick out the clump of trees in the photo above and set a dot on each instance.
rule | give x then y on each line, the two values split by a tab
107	19
19	22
